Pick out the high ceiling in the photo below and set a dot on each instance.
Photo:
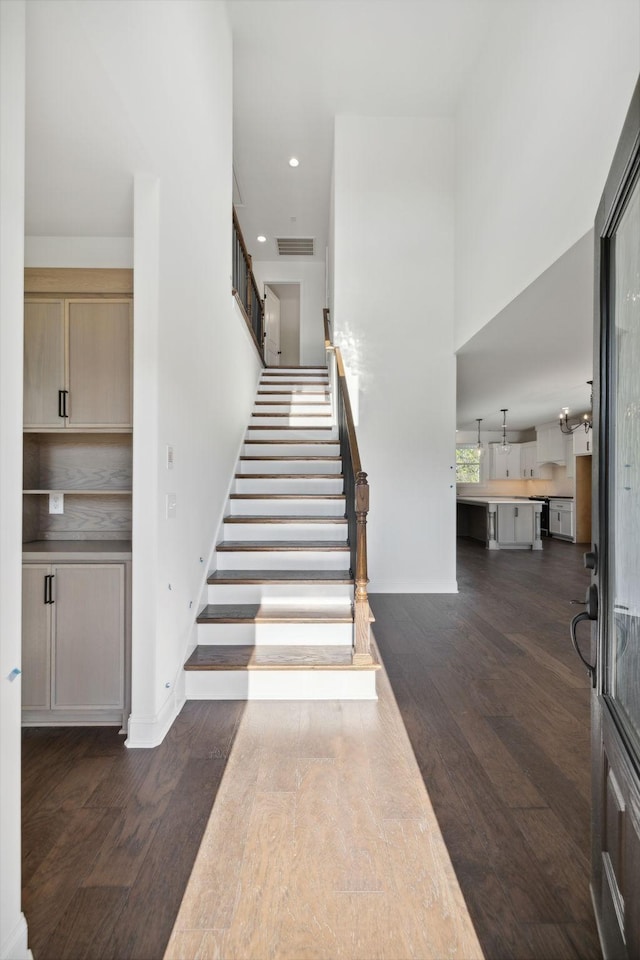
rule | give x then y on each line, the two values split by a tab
298	63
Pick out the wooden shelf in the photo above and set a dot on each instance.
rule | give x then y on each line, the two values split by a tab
73	493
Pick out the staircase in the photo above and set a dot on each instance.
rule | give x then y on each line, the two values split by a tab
279	624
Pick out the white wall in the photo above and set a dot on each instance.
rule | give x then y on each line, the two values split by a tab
393	313
106	252
533	153
13	929
163	83
311	276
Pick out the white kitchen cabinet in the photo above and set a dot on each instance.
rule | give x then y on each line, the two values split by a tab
551	443
530	469
561	518
569	456
516	524
77	364
504	466
75	632
582	442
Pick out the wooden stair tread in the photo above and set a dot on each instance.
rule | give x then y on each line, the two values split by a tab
303	457
288	476
284	426
287	496
293	442
287	403
264	657
295	366
260	413
272	613
226	546
292	518
292	393
280	576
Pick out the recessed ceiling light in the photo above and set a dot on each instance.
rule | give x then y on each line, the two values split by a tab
261	239
294	162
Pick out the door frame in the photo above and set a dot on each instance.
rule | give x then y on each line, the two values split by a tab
608	739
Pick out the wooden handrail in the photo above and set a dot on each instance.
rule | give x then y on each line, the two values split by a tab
350	425
356	488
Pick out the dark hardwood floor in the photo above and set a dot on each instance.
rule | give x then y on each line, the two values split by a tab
496	705
110	834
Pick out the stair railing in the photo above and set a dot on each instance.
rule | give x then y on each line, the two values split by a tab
245	288
356	488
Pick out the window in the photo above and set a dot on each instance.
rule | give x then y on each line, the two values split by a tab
467	463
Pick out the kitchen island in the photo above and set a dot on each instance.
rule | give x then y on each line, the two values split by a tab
502	523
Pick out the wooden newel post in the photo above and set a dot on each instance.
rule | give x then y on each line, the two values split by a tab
362	614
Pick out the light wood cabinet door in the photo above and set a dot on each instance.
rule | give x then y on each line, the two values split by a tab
36	637
44	362
100	353
88	636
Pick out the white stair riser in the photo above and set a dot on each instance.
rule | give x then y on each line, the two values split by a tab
317	594
317	401
285	531
293	420
299	484
289	466
283	560
302	433
298	449
287	508
293	386
280	685
306	397
278	634
298	409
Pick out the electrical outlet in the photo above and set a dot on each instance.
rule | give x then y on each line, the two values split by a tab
172	506
56	503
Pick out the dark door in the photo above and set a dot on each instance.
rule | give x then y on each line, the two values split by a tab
614	598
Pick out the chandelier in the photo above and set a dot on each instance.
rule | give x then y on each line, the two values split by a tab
569	424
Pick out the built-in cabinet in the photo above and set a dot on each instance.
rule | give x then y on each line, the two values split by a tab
516	524
530	468
504	466
77	494
561	518
77	364
551	443
582	442
75	618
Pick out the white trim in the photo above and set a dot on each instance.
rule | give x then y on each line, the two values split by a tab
406	586
15	946
146	732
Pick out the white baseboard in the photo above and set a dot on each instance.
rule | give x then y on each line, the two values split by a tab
147	732
406	586
15	946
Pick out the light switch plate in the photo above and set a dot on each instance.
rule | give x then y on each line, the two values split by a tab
56	503
171	506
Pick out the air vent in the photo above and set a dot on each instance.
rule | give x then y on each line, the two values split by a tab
295	246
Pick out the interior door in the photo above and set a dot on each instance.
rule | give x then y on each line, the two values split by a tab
614	593
271	328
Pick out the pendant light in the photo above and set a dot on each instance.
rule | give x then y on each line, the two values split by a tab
479	445
505	446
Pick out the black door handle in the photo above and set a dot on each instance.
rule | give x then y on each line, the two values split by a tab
48	588
62	403
591	613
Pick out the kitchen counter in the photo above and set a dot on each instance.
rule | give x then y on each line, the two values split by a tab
502	523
